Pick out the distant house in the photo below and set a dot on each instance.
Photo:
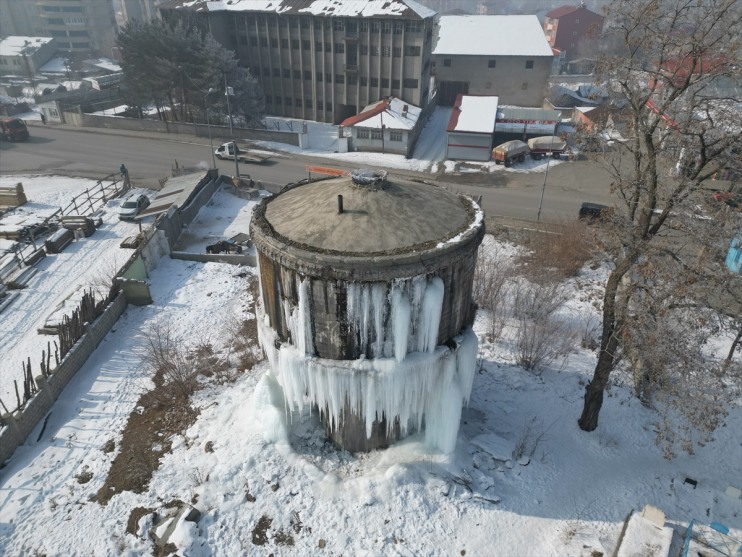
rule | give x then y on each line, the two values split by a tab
503	55
567	26
470	129
387	126
23	56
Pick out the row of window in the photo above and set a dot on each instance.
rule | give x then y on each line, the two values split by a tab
376	134
70	9
340	79
491	63
67	21
350	26
337	48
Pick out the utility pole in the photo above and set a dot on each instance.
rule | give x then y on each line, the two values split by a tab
228	91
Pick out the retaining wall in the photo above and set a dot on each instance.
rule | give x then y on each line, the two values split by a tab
20	426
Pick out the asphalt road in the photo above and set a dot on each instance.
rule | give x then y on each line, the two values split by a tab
94	153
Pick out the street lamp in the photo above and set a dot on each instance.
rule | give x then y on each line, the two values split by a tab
208	124
228	91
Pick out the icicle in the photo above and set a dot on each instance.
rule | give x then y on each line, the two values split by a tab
401	308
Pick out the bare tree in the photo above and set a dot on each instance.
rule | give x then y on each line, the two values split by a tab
679	79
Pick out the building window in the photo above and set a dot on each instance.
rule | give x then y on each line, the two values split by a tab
340	78
76	9
398	27
274	43
294	22
524	86
412	51
385	82
288	101
284	42
375	26
276	72
305	23
364	49
306	45
529	64
362	134
352	79
282	22
328	47
339	48
55	21
374	82
374	50
397	51
395	136
412	26
266	71
264	41
307	103
297	74
328	106
410	83
386	51
364	26
308	75
364	81
447	62
287	73
297	102
376	134
386	28
318	46
338	24
50	9
295	44
253	41
268	99
491	63
328	77
395	84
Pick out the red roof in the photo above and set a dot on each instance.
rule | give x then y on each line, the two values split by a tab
556	13
454	119
380	107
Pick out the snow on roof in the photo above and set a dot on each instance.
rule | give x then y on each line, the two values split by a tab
338	8
476	114
18	44
491	35
55	65
392	112
104	64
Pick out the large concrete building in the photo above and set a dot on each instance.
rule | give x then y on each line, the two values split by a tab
322	60
87	27
503	55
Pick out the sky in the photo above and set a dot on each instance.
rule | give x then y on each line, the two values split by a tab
570	496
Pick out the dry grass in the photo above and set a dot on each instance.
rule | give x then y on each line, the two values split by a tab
559	252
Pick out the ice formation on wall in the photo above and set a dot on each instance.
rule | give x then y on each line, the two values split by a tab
405	373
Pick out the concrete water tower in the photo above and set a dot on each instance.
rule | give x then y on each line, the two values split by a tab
366	287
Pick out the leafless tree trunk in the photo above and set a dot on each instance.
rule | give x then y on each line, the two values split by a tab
678	79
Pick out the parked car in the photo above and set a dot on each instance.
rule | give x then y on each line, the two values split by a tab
13	129
132	206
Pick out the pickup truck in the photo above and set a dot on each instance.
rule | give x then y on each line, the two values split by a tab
226	151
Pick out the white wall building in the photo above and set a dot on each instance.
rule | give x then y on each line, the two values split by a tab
470	128
503	55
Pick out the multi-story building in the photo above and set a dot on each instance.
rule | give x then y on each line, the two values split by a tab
320	60
87	27
141	10
567	26
502	55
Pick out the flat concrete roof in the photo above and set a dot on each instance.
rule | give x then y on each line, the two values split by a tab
396	219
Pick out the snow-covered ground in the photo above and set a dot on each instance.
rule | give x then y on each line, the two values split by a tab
569	498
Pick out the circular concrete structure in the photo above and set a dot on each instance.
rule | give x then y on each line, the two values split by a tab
338	259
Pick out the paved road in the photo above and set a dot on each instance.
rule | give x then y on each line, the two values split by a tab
92	153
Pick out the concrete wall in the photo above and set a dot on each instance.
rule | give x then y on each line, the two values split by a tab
21	425
231	258
510	80
200	130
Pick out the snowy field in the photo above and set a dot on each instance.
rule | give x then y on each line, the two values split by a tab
569	498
